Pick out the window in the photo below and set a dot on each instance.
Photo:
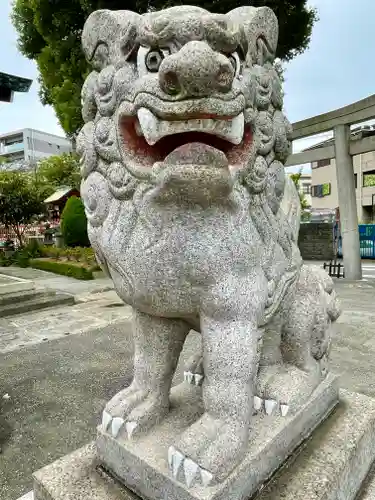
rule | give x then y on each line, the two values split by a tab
322	163
369	178
356	180
306	188
321	190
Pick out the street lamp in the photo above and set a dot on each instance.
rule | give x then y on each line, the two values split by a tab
10	84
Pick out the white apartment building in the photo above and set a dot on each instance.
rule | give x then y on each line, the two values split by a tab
324	193
22	149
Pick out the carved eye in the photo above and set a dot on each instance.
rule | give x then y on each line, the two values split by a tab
153	60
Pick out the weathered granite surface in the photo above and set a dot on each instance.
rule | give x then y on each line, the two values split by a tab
142	463
191	215
331	465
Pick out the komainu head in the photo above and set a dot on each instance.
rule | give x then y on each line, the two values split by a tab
184	101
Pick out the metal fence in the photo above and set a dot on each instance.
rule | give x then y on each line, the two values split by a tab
366	240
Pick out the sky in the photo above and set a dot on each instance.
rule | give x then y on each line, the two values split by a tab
337	69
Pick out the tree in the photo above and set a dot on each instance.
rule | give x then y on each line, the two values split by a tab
49	32
20	203
74	224
57	171
296	177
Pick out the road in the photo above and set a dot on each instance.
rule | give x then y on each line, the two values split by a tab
368	269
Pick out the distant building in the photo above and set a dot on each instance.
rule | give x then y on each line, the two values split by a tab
22	149
305	187
324	190
56	202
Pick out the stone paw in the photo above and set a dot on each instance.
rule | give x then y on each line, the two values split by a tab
193	373
284	392
133	411
207	452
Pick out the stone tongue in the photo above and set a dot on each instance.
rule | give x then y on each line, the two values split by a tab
197	153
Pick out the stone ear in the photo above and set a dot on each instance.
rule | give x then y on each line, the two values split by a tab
109	37
259	33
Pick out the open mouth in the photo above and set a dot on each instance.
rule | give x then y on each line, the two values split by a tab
147	139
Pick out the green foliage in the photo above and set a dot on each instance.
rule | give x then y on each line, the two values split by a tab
305	216
368	180
74	224
20	202
64	268
57	171
49	32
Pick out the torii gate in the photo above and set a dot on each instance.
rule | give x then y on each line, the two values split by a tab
343	150
10	84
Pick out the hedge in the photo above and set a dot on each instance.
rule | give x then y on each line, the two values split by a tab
64	268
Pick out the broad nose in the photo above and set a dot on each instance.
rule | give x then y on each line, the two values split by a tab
196	71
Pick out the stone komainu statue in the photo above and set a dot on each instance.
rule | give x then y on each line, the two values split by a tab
191	215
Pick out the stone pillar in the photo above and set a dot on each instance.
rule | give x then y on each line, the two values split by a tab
347	204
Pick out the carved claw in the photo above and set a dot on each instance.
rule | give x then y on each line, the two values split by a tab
106	420
193	378
189	378
258	403
190	470
270	406
206	477
130	428
117	423
193	474
284	410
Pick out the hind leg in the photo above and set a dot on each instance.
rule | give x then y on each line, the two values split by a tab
302	320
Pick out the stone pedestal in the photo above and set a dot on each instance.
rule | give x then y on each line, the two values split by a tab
142	464
333	463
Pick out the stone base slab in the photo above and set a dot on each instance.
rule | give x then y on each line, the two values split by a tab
11	284
141	464
332	464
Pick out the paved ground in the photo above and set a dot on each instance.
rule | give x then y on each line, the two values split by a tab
58	387
43	279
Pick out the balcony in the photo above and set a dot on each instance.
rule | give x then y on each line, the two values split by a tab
11	148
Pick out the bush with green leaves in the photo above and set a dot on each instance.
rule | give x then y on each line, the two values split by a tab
64	268
74	224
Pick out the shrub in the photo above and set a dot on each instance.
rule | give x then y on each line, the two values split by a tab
21	258
33	248
64	268
74	224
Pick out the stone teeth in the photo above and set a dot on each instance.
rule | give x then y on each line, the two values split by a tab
198	379
154	129
138	129
150	125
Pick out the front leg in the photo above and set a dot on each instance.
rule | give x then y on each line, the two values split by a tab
158	343
210	449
